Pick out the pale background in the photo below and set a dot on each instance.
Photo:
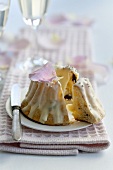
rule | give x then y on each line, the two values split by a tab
102	13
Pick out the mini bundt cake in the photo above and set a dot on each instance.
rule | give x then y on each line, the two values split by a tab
86	106
54	93
44	101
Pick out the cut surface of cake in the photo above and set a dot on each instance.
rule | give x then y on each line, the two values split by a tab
86	106
69	76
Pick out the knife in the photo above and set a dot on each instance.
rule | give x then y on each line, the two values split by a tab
15	104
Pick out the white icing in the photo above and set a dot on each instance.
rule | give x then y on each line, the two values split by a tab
36	99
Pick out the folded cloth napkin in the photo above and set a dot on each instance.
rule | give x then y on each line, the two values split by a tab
91	139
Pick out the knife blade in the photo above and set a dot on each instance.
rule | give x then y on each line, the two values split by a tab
15	104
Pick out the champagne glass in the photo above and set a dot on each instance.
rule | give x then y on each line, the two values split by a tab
33	12
4	10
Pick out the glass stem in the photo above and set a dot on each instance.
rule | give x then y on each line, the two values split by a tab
35	45
37	60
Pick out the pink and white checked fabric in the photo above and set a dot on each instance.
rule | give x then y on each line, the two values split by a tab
91	139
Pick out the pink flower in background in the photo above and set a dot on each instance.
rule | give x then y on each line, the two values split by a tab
88	68
70	19
58	19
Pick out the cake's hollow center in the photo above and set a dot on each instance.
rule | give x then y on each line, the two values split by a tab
68	97
73	78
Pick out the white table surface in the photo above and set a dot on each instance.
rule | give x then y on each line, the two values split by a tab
102	12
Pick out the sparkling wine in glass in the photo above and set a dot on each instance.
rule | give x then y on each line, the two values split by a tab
4	10
33	12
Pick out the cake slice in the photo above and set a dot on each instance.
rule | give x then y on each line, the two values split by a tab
86	106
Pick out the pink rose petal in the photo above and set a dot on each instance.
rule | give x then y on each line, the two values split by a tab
4	60
45	73
58	19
